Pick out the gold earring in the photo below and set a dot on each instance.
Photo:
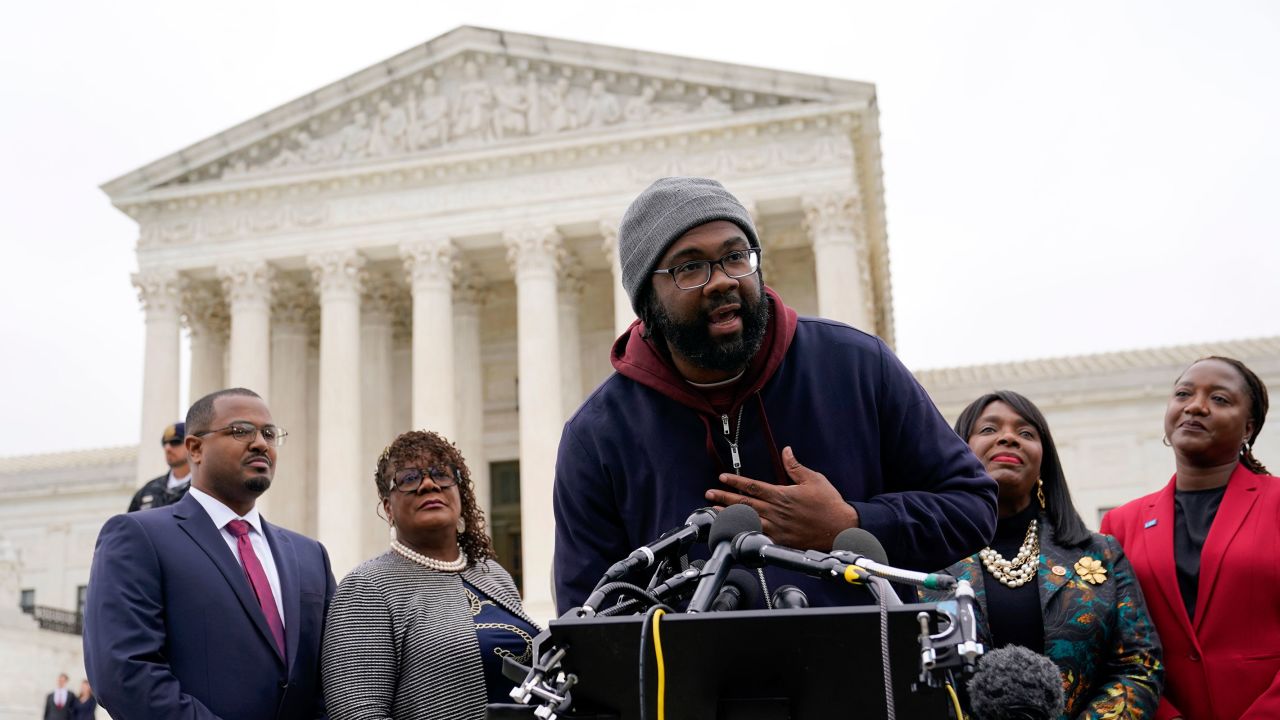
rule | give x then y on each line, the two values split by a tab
1040	491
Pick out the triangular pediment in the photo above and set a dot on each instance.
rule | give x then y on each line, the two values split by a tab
475	88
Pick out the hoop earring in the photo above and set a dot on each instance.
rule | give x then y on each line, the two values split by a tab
1166	441
1040	492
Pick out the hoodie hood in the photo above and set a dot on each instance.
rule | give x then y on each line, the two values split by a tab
642	360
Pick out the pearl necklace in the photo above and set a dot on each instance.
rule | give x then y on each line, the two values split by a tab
429	562
1021	568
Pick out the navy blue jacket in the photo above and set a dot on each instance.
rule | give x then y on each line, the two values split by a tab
634	462
172	628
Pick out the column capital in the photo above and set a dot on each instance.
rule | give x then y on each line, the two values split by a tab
609	239
402	318
338	274
533	248
833	216
158	290
470	288
571	282
379	295
204	310
292	301
431	261
247	282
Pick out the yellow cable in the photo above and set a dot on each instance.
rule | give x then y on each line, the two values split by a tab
955	700
662	672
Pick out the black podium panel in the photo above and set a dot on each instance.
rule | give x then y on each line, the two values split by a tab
808	664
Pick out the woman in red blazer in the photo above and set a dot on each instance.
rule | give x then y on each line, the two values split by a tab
1206	550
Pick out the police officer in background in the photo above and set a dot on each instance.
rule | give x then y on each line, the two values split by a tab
170	487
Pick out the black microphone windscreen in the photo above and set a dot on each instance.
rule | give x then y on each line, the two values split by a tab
748	585
731	521
861	542
1014	683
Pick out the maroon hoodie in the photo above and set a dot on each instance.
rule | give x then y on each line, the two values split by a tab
643	360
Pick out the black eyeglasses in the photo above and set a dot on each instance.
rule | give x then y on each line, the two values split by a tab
245	432
174	442
410	479
693	275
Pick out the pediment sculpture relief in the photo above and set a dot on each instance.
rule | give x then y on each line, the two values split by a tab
476	102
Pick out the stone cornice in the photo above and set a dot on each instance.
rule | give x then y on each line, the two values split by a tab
549	57
95	457
1084	366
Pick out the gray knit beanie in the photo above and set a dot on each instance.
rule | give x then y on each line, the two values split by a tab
667	209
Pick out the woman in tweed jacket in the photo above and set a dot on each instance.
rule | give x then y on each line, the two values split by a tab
1049	584
421	630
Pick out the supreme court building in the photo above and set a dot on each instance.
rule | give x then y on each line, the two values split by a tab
430	243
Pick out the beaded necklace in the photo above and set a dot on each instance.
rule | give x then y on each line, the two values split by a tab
1022	567
429	562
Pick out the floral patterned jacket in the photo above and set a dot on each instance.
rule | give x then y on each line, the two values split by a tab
1096	626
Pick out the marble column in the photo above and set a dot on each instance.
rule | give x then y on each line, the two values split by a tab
292	305
402	364
338	277
376	399
247	285
158	293
431	265
570	302
204	309
469	298
623	315
534	254
842	263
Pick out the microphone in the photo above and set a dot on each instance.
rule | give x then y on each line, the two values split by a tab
1014	683
741	590
789	597
731	522
755	549
677	540
862	549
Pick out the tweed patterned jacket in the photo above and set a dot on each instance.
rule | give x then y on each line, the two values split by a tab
1096	626
400	641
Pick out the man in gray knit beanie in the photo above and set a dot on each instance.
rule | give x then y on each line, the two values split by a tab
722	391
713	322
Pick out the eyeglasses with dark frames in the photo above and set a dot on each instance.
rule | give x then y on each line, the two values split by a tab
245	432
410	479
696	273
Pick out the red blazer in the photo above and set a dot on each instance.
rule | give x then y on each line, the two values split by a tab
1225	665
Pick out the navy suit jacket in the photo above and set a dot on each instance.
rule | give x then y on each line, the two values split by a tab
172	628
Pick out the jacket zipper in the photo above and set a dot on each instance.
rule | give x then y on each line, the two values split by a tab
733	439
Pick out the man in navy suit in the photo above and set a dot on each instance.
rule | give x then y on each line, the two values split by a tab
202	609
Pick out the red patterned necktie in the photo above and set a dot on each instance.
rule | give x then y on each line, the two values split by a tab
258	580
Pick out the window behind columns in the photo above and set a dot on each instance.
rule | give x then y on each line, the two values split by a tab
504	516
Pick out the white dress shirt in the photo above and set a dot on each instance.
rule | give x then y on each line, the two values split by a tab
60	697
221	515
174	483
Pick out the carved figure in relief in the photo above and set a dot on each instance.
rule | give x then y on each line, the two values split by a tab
640	107
288	156
712	105
475	105
601	107
431	121
555	101
356	137
390	133
512	105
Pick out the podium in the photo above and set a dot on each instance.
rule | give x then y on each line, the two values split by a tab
804	664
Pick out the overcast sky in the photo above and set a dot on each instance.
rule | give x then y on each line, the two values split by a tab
1060	180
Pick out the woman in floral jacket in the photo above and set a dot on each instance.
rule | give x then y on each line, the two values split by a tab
1045	582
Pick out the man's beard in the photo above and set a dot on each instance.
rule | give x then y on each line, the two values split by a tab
692	339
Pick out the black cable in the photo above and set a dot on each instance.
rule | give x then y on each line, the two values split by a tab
644	653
